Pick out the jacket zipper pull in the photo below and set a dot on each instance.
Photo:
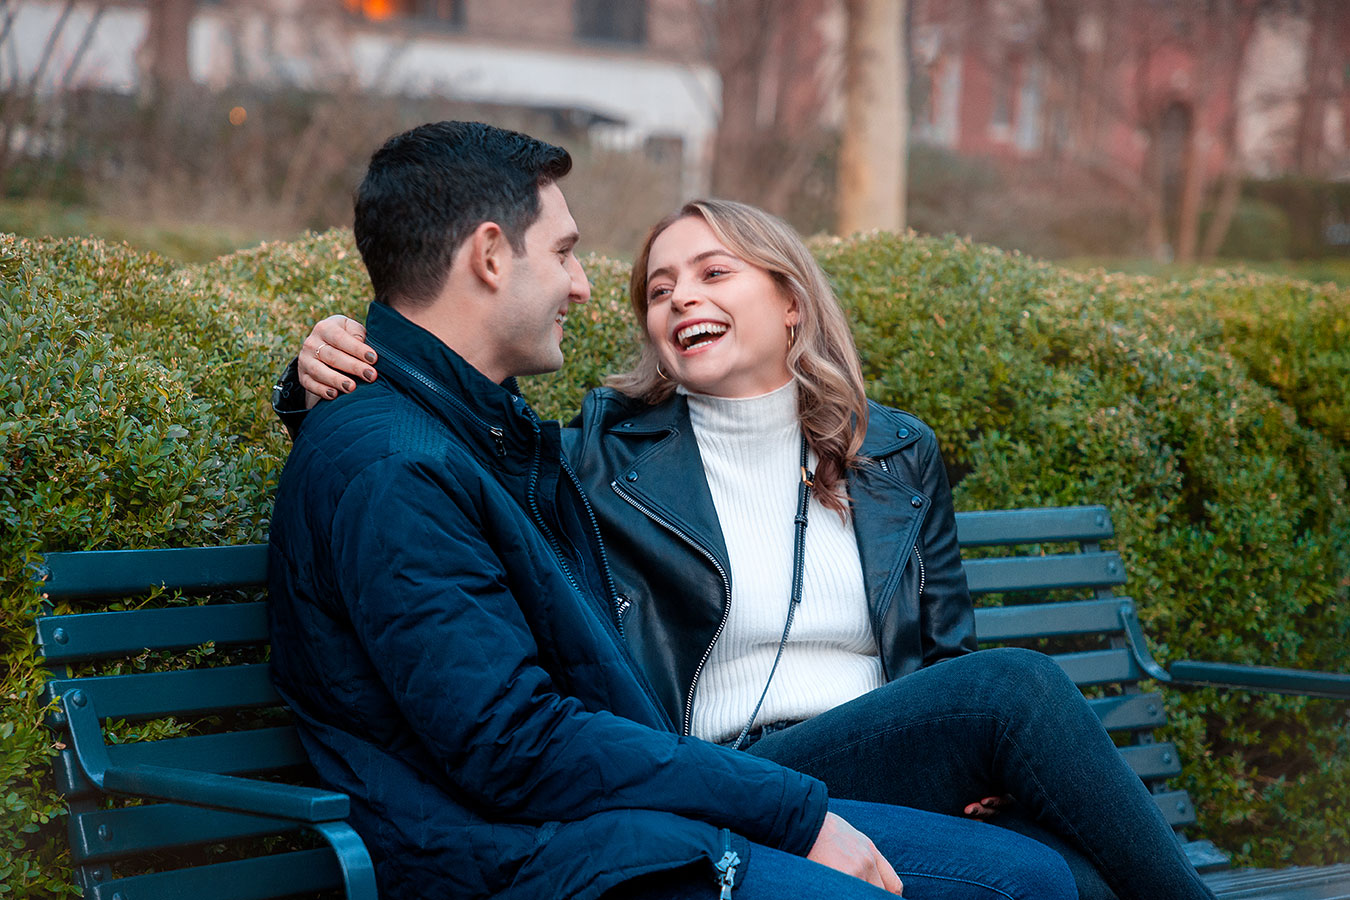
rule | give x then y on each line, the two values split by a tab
499	440
726	867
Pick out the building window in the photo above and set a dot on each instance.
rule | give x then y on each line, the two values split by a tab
449	13
615	21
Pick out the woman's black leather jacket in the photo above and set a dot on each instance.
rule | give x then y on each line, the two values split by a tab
641	468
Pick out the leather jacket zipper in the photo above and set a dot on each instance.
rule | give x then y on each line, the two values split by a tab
687	725
923	575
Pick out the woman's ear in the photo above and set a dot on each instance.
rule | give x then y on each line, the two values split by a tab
792	318
487	248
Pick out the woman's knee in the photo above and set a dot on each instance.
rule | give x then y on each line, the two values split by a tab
1024	671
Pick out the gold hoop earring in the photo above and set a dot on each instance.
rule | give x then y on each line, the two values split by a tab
663	375
792	336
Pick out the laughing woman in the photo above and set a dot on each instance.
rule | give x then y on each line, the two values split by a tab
845	649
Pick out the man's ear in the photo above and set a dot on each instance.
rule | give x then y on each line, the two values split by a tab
487	251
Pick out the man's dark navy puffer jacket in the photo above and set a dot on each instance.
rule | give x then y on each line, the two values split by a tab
443	628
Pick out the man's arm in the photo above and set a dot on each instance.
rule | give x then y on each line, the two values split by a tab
434	606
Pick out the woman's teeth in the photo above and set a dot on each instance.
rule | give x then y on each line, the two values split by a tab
699	333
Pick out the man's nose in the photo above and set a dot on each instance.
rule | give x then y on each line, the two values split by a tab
581	285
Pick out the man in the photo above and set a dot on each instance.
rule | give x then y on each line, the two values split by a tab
443	619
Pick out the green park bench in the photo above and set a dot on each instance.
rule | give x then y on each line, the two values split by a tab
228	810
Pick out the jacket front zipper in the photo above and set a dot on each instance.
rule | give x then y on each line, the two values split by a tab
390	358
687	725
726	867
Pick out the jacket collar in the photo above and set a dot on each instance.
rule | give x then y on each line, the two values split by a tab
494	415
668	478
887	432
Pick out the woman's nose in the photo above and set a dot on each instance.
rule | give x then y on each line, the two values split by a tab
682	296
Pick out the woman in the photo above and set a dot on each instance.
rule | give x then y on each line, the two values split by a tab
843	650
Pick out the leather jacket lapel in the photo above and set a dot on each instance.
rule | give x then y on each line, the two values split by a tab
667	480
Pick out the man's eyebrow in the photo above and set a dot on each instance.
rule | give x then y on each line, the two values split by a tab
697	258
568	240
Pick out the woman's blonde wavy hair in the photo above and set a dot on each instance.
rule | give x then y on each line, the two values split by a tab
831	402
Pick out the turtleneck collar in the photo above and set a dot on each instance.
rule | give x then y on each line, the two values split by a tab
744	416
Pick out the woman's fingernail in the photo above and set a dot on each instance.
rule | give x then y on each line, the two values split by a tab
368	374
332	394
347	385
370	356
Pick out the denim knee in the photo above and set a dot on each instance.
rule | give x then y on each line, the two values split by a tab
1030	671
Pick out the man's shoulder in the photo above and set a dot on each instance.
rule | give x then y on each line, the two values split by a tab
374	427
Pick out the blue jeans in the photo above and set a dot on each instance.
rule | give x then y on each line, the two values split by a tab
937	858
997	722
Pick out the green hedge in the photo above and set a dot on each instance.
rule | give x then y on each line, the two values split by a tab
1210	415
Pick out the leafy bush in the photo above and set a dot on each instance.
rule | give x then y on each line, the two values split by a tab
1209	414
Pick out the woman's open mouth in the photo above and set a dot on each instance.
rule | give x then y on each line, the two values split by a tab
699	334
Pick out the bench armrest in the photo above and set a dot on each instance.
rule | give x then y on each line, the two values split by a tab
1334	685
228	792
1262	678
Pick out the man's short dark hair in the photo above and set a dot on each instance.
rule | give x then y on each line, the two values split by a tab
427	189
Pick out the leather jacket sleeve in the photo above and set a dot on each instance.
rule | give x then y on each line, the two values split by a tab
947	616
288	399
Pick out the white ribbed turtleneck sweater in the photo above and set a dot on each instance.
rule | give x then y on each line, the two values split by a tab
751	451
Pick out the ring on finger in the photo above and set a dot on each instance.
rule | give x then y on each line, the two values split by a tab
322	344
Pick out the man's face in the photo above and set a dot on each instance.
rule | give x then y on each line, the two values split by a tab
539	288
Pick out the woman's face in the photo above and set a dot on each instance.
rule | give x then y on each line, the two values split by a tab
719	323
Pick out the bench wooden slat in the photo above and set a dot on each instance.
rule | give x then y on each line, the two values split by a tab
1033	620
1043	573
1298	883
98	635
1152	761
91	574
1033	526
150	694
228	753
129	831
1130	712
1176	808
1099	667
260	878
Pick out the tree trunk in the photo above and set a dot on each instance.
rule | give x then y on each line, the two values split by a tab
166	47
1309	140
742	29
872	152
1192	194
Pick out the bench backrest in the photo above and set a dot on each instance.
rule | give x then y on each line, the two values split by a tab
1041	579
184	686
1039	576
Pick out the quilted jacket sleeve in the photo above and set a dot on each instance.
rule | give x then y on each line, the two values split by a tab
945	608
430	596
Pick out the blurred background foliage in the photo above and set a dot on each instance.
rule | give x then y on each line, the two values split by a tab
1204	411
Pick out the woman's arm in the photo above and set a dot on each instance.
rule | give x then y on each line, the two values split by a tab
334	350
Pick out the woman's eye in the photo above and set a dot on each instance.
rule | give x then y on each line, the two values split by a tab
715	271
657	293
